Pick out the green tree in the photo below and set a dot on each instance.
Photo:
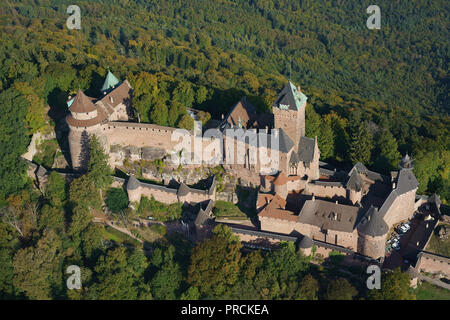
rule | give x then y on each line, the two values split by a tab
52	218
184	94
312	120
186	122
99	171
340	289
326	140
214	263
394	286
159	113
204	117
82	192
166	281
201	94
308	288
6	274
38	270
81	218
175	111
388	156
56	189
116	199
119	276
13	141
361	142
91	241
190	294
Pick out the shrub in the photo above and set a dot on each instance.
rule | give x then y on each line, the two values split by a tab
159	210
116	199
227	209
159	229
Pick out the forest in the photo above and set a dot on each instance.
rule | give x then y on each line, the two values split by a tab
374	95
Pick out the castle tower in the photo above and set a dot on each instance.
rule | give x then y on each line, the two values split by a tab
289	112
406	162
133	189
305	245
280	185
83	120
372	232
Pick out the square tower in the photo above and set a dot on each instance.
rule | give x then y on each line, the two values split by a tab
289	112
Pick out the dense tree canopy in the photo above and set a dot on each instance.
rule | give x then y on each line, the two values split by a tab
374	95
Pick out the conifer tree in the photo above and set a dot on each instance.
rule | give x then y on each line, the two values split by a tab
159	113
361	140
312	122
326	140
99	171
388	156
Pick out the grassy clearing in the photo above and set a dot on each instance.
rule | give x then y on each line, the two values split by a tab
439	246
150	234
427	291
224	209
119	237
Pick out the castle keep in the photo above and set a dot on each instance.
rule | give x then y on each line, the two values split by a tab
298	194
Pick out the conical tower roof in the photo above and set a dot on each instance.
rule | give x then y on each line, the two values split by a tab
305	243
82	103
110	82
133	183
373	224
183	190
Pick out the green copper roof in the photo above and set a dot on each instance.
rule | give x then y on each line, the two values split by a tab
299	97
290	98
110	82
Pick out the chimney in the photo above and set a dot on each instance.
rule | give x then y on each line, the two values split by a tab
299	89
222	116
336	202
393	185
313	198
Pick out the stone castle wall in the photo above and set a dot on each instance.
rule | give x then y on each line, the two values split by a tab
296	185
277	225
344	239
434	264
139	135
161	194
401	209
325	190
79	143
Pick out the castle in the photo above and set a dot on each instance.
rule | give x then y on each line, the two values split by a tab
298	195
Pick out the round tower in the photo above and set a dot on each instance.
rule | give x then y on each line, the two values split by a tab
305	245
133	190
372	232
280	185
84	120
